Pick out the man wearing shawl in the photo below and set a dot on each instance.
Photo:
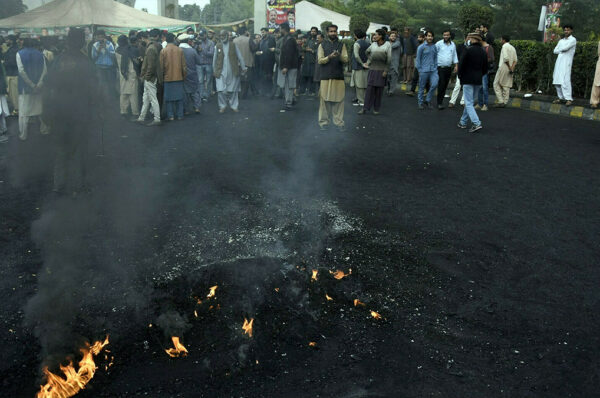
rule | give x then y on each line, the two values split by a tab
128	78
228	65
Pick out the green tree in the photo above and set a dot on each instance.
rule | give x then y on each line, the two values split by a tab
224	11
583	15
359	21
190	12
11	7
470	16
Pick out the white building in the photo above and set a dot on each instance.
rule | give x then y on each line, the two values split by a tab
31	4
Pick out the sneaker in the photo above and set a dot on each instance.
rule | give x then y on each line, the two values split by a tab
140	121
235	110
461	126
171	119
154	123
477	107
222	110
440	107
3	138
484	108
475	128
429	105
323	127
499	105
421	107
376	113
410	93
568	103
362	112
451	105
355	104
557	101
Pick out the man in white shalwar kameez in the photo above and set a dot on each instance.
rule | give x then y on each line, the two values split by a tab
228	66
562	69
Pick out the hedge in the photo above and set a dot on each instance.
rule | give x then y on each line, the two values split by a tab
536	64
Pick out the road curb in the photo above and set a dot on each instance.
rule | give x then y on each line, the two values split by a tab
577	112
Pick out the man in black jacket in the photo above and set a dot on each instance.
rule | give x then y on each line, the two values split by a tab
471	68
266	60
288	66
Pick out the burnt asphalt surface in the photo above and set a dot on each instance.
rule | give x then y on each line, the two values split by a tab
487	244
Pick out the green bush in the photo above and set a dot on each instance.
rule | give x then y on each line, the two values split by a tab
536	65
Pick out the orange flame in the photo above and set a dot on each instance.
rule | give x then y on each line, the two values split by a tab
340	274
212	292
314	275
179	350
277	289
312	344
375	315
59	387
247	326
357	302
328	298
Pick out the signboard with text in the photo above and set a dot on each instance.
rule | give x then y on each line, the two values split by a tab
280	11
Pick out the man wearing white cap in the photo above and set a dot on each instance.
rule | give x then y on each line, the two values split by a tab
192	99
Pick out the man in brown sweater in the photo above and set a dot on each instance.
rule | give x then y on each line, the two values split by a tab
174	70
152	77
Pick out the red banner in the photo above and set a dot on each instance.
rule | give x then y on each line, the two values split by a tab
280	11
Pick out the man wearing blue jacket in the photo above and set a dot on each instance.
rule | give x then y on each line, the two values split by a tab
426	63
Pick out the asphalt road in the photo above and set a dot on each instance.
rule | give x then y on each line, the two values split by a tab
480	250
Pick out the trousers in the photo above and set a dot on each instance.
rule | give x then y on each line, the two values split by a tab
502	93
444	73
469	91
424	79
12	83
150	100
205	73
456	92
231	98
335	109
127	101
564	92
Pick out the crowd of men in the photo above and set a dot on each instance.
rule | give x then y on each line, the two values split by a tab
165	77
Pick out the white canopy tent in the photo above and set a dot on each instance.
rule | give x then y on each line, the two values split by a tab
309	14
105	13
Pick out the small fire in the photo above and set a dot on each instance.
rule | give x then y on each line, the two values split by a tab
312	344
199	301
212	292
340	274
247	326
375	315
179	350
314	275
277	289
357	302
59	387
328	298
